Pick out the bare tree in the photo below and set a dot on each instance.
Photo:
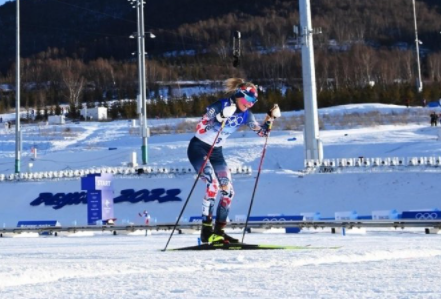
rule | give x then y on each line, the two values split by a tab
73	80
434	62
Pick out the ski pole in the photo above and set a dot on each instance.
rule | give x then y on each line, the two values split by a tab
194	184
257	180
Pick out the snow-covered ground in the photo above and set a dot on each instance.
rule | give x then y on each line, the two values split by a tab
378	264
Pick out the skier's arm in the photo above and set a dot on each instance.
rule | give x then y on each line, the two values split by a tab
226	112
263	129
255	126
220	111
212	111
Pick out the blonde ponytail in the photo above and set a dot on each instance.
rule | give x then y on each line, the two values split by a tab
232	84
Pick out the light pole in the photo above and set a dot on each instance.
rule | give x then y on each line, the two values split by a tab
417	48
313	144
139	4
17	95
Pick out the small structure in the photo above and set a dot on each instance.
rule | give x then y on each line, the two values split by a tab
97	113
6	89
56	120
99	198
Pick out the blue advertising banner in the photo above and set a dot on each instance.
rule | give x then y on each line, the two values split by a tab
421	215
99	197
97	182
288	230
60	200
106	204
38	223
94	210
276	218
197	219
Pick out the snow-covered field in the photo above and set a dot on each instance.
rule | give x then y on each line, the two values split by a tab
378	264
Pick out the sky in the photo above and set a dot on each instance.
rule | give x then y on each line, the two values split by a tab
363	263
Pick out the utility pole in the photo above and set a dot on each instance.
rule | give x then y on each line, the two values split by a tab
17	95
140	86
140	35
313	145
144	128
417	48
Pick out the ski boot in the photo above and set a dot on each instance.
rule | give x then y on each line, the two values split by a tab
206	231
219	231
216	239
208	236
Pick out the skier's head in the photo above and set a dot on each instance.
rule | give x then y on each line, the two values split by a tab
244	93
246	97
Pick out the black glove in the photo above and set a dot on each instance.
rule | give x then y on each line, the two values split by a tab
265	129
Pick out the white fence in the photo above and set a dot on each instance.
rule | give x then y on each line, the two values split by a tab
119	171
386	163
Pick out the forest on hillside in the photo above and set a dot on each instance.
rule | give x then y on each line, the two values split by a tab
82	53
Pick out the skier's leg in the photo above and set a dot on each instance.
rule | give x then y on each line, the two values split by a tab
211	191
208	203
197	151
227	193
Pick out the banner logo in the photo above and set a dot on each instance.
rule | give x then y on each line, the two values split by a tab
59	200
426	216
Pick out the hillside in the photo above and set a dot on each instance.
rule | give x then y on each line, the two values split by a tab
365	53
96	28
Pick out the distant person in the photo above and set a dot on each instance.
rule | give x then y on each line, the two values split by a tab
434	119
424	102
146	216
110	221
1	119
230	113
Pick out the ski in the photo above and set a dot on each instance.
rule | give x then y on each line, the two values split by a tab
244	246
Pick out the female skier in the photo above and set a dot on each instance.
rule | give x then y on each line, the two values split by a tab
234	112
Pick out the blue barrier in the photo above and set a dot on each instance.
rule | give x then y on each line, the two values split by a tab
197	219
311	216
422	215
352	215
276	218
385	214
38	223
257	218
288	230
